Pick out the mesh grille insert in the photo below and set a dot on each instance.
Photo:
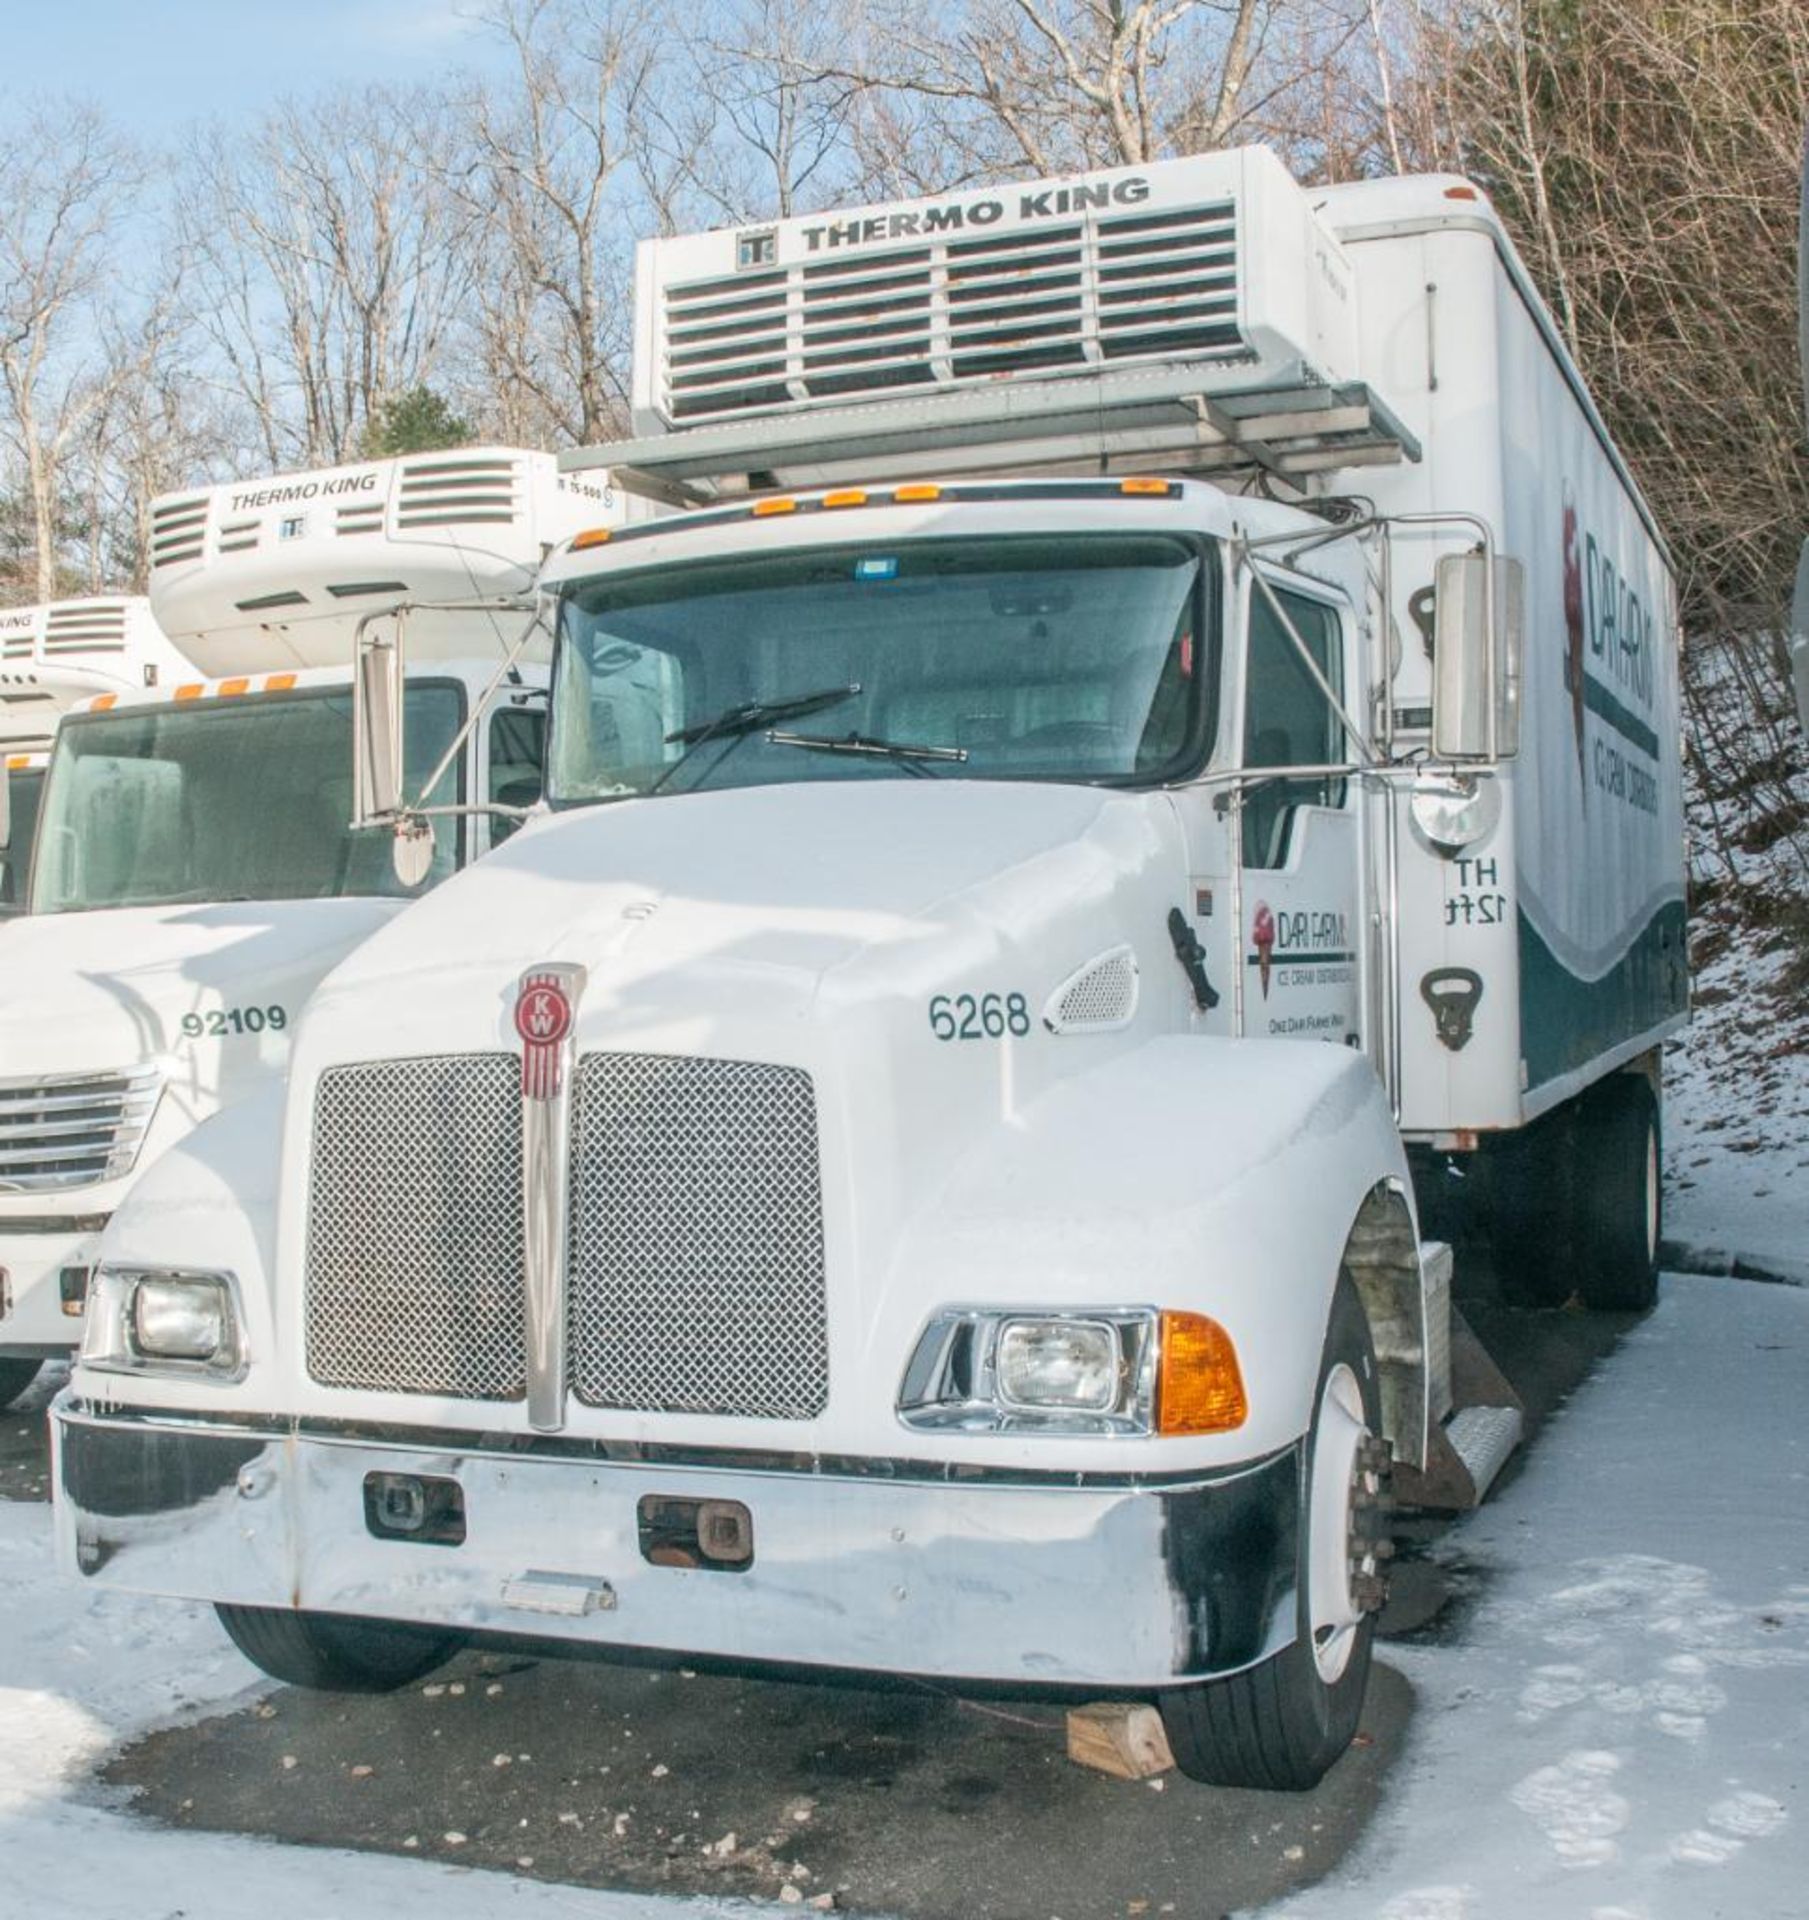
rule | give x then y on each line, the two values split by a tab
1102	996
695	1251
415	1280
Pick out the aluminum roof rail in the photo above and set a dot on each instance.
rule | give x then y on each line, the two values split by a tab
1153	421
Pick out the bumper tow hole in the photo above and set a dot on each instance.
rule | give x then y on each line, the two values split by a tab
713	1535
415	1507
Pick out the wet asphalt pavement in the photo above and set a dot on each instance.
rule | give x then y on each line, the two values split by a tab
900	1801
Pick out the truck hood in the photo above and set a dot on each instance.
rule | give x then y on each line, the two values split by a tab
760	903
94	992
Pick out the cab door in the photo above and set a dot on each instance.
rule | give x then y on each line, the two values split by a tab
1298	926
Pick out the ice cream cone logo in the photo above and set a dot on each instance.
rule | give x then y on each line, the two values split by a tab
1262	938
1574	629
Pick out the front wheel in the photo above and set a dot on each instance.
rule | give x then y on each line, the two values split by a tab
335	1653
15	1377
1283	1724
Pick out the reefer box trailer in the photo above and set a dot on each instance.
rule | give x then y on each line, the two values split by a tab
900	1166
198	870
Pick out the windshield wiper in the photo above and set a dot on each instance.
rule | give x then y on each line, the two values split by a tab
737	722
905	752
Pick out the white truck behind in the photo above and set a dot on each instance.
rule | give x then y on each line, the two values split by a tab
1166	702
51	657
196	869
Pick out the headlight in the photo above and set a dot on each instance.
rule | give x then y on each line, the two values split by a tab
1071	1364
153	1320
1116	1370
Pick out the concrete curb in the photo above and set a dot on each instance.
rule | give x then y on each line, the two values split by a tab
1678	1256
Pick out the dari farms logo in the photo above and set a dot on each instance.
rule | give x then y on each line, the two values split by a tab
543	1020
1311	944
1610	666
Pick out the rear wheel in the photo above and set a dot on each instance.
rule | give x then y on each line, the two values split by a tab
1529	1186
336	1653
1619	1202
1283	1724
15	1377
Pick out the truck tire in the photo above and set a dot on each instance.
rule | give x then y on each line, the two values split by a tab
1282	1725
1619	1198
1529	1187
333	1652
15	1377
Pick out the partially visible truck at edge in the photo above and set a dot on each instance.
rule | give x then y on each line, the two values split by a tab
196	870
52	656
1159	727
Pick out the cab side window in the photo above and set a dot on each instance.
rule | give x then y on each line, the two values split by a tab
1288	722
517	764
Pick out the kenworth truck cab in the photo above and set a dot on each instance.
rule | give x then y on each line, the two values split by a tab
905	1167
197	870
51	657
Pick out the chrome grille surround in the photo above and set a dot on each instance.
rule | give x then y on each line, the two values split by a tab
74	1130
414	1261
694	1257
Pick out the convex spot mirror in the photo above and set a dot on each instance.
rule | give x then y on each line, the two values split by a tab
1476	651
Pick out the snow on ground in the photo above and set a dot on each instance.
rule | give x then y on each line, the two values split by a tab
1621	1730
1737	1083
79	1675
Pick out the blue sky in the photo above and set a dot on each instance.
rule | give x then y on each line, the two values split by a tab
157	65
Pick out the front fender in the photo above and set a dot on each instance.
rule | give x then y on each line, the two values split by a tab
1216	1176
208	1204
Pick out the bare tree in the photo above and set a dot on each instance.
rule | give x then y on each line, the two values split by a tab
552	175
71	184
1009	86
330	261
755	122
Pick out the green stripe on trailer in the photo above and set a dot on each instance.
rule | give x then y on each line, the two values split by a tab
1567	1022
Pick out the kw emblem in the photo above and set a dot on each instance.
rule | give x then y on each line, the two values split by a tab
543	1018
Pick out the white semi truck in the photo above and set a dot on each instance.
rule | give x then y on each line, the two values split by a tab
52	656
196	868
1165	703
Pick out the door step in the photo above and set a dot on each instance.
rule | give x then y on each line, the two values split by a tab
1477	1418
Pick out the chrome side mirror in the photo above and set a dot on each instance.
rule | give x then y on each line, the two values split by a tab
377	734
1478	630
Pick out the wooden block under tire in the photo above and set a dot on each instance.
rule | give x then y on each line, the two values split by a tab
1124	1740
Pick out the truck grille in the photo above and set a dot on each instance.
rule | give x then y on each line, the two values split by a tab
414	1228
75	1131
694	1240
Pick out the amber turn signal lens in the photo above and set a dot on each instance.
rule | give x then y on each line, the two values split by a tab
1138	484
590	537
1199	1387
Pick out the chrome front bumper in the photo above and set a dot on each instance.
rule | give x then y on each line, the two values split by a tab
32	1320
1122	1583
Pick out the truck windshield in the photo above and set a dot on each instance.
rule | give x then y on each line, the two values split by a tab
25	788
234	799
1002	658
